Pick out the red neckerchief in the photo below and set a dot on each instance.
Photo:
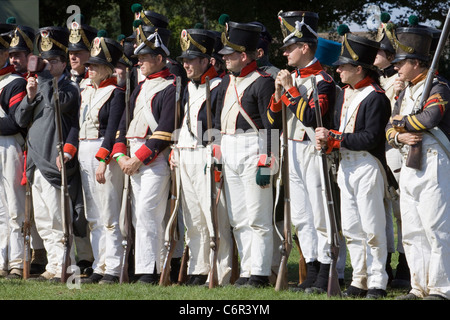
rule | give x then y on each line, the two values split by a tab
108	82
315	68
164	73
211	73
252	66
6	70
367	81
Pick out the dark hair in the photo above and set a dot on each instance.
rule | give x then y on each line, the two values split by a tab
372	73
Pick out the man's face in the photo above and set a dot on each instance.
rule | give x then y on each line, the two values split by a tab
19	60
77	60
195	67
3	57
294	54
348	73
57	67
233	61
381	60
407	69
149	64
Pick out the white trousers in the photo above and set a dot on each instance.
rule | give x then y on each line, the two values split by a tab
4	238
363	218
425	209
394	160
249	206
12	195
48	218
150	192
102	208
307	201
196	201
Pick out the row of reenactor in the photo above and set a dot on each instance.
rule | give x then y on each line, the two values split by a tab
369	126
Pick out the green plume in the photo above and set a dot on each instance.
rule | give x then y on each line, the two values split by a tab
413	20
224	18
385	17
136	7
343	29
102	34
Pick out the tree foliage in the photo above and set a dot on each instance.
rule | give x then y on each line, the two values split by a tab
116	17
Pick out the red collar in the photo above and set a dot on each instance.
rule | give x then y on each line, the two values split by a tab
6	70
211	73
315	68
164	73
107	82
367	81
252	66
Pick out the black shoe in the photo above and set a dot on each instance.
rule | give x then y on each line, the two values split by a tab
93	278
37	268
402	278
376	293
197	280
258	281
435	297
312	271
175	265
241	281
409	296
148	278
85	267
354	292
109	279
321	283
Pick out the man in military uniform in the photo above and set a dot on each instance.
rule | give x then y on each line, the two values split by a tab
37	112
22	45
361	112
423	182
80	39
241	117
392	86
193	152
12	192
295	91
157	20
152	113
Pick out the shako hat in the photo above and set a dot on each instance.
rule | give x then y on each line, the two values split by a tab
386	33
240	37
53	41
127	43
148	17
298	26
265	39
150	39
22	39
104	50
218	45
327	51
356	50
196	43
81	35
5	35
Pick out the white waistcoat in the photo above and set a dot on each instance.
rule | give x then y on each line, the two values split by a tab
197	96
92	100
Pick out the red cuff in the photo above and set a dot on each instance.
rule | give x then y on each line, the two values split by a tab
119	148
334	140
292	93
217	153
275	106
70	149
143	153
265	161
102	154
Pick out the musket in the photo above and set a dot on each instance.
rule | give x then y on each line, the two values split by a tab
125	210
182	275
65	198
214	236
26	230
414	157
333	280
171	234
301	261
286	246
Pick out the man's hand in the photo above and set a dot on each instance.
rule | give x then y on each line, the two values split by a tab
32	87
282	81
399	85
58	161
129	165
321	138
100	172
410	138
